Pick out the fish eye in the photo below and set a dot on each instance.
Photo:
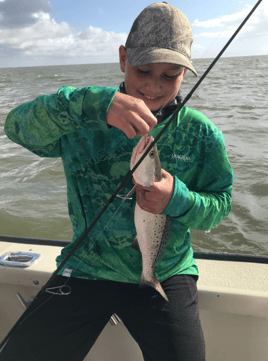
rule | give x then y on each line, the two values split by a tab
151	154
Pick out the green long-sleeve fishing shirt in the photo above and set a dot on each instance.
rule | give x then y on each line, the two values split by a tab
72	125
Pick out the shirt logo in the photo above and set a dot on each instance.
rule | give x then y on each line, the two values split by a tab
181	157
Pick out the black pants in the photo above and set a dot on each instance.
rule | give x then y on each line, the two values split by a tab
64	328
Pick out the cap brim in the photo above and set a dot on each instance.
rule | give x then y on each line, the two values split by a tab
146	55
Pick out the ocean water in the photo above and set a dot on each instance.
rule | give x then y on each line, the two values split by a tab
233	96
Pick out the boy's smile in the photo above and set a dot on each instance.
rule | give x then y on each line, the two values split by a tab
156	84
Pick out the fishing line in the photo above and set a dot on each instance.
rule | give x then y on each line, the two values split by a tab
213	42
28	315
29	310
63	290
154	142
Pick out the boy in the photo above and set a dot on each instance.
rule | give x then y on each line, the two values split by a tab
94	131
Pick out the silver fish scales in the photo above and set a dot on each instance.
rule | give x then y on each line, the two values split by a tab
153	230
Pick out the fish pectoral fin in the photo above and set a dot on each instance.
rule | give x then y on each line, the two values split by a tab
135	245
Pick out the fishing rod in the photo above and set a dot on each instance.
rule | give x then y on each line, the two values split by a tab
30	309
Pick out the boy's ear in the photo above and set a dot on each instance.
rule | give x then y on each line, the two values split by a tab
122	58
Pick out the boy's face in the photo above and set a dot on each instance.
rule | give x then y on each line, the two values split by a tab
156	84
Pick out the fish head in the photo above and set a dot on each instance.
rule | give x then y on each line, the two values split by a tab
150	167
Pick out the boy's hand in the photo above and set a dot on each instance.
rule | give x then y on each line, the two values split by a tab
130	115
155	199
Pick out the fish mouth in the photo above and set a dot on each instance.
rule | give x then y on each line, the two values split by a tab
147	141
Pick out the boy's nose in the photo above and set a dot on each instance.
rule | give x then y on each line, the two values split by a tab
155	86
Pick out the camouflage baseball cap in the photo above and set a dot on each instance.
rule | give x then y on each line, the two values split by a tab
160	34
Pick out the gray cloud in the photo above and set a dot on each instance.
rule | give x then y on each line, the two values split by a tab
19	13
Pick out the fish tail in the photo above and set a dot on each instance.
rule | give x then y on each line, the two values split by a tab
153	281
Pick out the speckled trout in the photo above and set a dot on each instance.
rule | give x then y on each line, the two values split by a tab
153	230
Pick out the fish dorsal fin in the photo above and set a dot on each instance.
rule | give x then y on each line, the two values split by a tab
164	241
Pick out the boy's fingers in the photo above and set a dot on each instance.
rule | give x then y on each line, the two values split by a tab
131	115
129	130
145	114
140	125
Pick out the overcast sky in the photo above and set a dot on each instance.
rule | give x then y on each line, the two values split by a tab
42	32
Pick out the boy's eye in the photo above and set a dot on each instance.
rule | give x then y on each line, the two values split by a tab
173	76
170	76
143	71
